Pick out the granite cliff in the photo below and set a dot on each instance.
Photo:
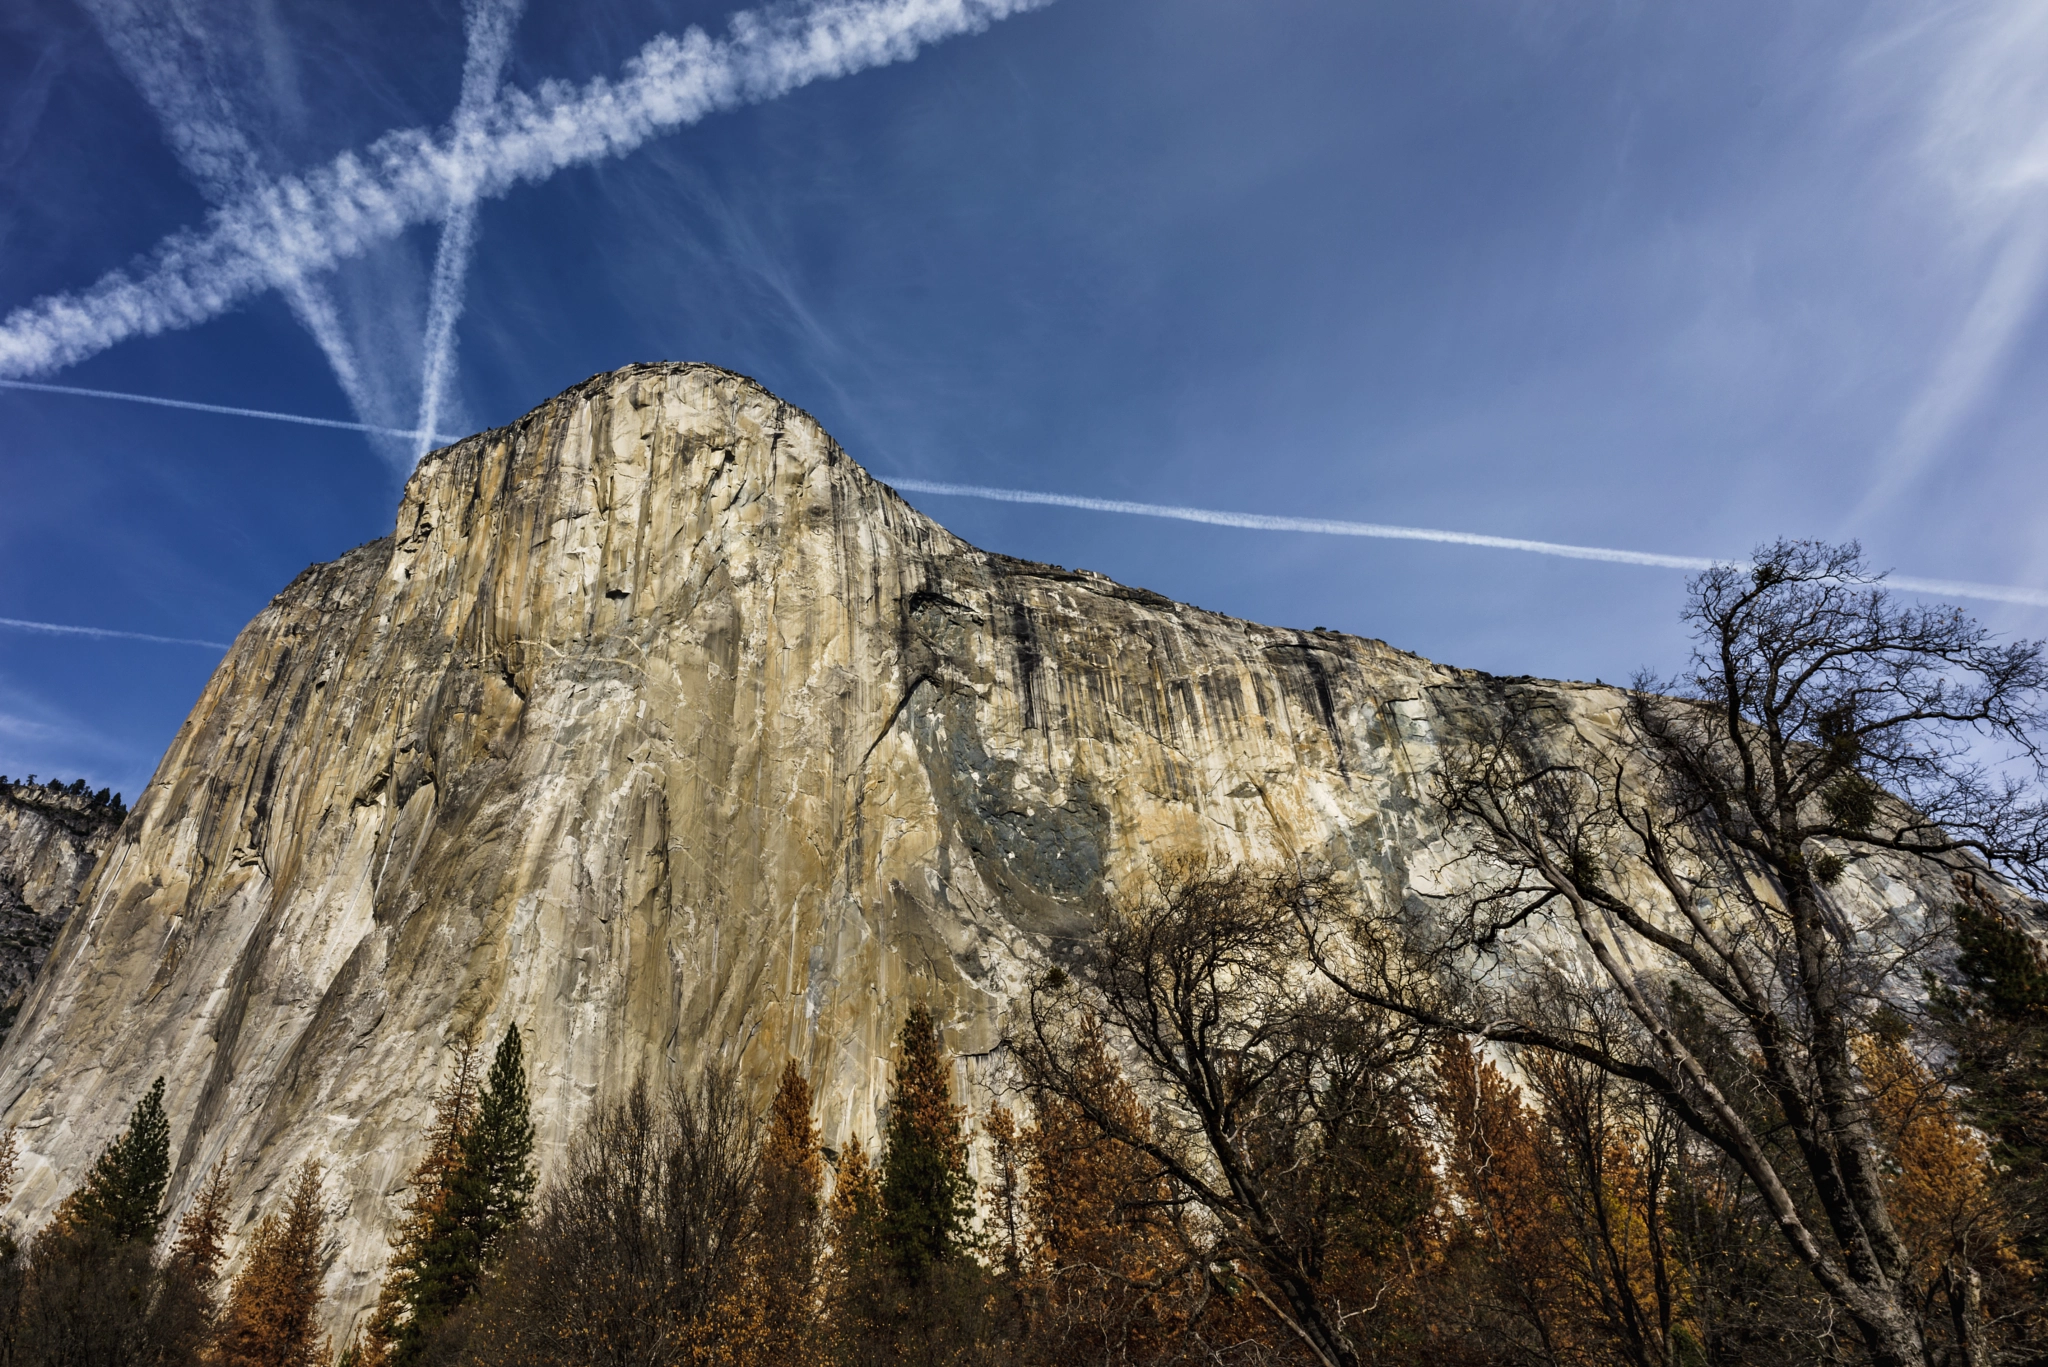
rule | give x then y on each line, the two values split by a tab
661	729
50	838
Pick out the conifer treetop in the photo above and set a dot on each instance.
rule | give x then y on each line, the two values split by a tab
791	1152
473	1188
927	1196
123	1195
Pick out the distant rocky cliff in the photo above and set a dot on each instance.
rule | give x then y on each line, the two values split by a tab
661	729
50	838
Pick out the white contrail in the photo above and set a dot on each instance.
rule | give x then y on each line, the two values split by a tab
1983	148
59	629
444	307
489	25
173	64
301	225
1947	588
1260	522
1958	588
406	432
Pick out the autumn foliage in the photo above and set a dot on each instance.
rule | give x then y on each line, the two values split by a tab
272	1314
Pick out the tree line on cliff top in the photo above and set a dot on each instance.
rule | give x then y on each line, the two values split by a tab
28	790
1721	1112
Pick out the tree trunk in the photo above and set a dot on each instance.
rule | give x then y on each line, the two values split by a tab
1889	1331
1966	1313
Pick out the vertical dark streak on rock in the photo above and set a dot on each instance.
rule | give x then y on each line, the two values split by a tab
1029	660
227	1033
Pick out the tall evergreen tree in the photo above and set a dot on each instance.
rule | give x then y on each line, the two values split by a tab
792	1171
184	1310
859	1279
494	1181
927	1195
82	1295
792	1180
122	1198
472	1189
408	1299
788	1225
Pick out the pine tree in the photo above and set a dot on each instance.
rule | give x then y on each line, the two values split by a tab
859	1281
473	1188
856	1202
203	1229
792	1180
1006	1218
493	1184
767	1313
927	1195
791	1161
122	1197
1518	1231
405	1304
272	1315
1096	1244
88	1280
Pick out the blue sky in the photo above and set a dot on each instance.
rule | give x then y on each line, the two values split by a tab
1667	278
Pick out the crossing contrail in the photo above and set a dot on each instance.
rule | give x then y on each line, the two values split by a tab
1262	522
104	633
300	225
178	65
77	392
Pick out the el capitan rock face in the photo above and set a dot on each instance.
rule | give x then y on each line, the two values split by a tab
662	730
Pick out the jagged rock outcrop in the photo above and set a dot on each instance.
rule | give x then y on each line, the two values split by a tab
50	838
663	730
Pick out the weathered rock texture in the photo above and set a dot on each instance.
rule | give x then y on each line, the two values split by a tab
50	838
663	730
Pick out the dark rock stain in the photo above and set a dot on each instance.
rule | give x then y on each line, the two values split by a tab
1030	659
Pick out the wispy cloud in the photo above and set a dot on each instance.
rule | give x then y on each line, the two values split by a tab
1262	522
296	227
105	634
37	738
489	25
1984	152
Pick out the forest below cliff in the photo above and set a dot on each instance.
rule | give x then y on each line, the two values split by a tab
1729	1045
1453	1214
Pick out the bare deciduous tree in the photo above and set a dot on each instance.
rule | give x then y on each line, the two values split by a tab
639	1241
1278	1140
1695	852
